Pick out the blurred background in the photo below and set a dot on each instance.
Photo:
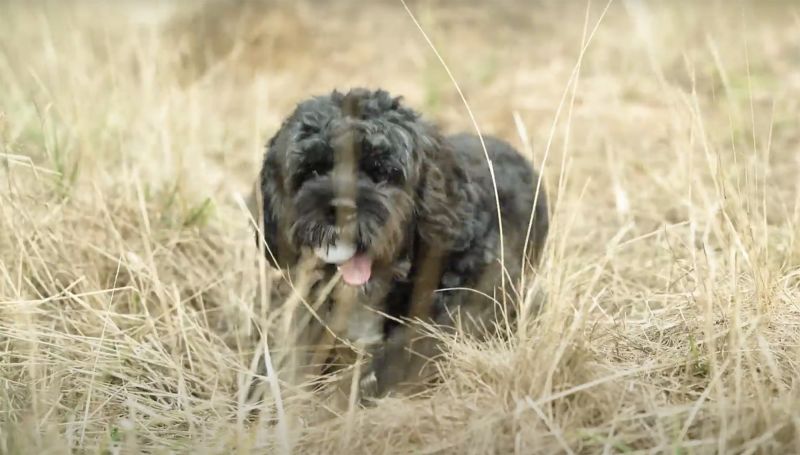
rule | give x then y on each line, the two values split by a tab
220	75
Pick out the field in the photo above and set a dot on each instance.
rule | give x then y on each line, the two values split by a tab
132	296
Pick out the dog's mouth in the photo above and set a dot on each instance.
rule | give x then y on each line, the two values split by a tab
355	266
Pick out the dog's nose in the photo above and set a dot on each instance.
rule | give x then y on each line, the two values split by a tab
343	208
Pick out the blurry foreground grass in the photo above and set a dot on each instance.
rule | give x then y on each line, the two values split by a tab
129	286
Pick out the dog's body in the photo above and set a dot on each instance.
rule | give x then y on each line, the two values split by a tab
360	187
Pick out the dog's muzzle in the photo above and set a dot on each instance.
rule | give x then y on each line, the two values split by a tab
355	266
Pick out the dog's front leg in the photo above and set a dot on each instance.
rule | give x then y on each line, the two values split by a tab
402	364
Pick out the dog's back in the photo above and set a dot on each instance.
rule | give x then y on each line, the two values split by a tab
513	175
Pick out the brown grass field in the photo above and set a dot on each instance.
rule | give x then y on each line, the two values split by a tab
132	295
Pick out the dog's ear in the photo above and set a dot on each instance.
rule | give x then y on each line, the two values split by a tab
277	213
443	193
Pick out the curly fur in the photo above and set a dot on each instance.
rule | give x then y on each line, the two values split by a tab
424	211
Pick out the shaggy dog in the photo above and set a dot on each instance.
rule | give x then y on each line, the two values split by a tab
395	222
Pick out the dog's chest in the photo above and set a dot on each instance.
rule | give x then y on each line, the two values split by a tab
353	313
364	326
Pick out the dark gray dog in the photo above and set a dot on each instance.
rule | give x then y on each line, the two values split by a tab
366	191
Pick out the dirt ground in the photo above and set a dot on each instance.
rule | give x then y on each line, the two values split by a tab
667	133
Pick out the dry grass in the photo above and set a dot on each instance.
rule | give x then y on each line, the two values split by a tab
129	287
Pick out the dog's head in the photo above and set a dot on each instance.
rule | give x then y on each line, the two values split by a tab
352	177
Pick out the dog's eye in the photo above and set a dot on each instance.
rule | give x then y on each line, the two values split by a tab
312	173
304	175
387	173
394	175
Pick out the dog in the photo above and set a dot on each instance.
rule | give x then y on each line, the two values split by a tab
395	222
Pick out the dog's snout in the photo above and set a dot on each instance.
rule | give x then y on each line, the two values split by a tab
343	208
344	203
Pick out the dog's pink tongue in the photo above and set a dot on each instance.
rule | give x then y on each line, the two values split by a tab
356	270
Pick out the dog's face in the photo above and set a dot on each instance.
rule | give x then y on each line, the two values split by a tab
351	181
348	177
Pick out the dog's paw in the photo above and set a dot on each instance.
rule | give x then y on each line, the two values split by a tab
368	388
